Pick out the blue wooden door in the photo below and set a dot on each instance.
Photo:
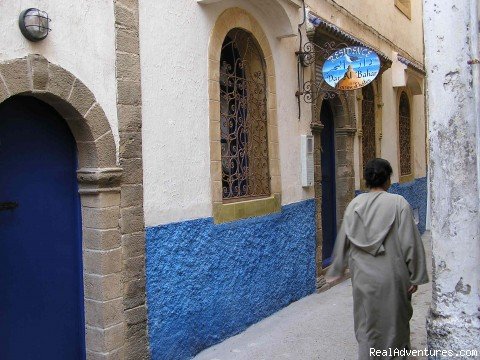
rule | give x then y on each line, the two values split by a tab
41	286
329	208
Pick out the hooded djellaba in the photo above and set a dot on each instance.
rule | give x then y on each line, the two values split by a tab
380	243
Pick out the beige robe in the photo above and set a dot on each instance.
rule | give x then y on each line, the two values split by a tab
380	243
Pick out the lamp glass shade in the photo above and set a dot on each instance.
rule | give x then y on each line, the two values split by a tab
34	24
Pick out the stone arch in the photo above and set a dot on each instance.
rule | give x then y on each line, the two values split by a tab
414	83
282	22
230	19
36	76
343	112
99	187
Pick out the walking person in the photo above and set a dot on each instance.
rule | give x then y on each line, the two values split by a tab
380	243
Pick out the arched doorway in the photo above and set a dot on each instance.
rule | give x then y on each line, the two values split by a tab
329	207
41	302
99	180
333	129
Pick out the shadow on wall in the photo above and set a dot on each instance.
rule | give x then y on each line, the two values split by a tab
207	282
415	192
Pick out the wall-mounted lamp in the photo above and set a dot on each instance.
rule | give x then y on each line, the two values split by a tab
33	24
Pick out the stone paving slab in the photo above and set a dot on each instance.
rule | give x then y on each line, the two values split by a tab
317	327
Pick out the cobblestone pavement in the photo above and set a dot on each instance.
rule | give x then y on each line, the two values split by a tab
317	327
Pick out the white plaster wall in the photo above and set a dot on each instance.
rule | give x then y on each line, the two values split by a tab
397	33
82	41
453	86
174	39
389	143
419	136
383	16
453	122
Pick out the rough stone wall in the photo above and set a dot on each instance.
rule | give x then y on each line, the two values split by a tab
207	282
451	35
317	176
129	102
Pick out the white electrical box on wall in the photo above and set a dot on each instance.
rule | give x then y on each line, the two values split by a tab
306	156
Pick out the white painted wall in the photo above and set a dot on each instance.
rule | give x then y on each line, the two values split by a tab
387	29
453	103
389	143
176	151
387	19
175	101
82	41
419	136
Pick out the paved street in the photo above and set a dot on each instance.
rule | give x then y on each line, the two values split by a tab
319	326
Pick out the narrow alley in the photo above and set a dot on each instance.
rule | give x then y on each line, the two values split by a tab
174	176
317	327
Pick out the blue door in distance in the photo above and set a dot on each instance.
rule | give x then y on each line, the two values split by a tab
41	286
329	207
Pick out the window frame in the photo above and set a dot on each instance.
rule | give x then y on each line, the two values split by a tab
243	87
411	176
228	210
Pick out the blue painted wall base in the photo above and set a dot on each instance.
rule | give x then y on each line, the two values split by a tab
207	282
415	192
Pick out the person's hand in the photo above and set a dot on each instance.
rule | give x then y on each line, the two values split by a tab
331	279
412	289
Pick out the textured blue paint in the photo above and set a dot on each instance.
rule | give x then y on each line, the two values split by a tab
415	192
207	282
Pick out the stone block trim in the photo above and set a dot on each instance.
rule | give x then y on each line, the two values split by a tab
249	208
34	75
131	224
99	188
378	104
345	130
228	20
102	262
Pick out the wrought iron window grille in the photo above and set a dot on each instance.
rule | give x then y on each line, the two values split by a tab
405	135
368	125
243	118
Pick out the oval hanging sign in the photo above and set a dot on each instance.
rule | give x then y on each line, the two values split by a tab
351	68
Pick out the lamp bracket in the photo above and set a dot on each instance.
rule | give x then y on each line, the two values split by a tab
313	54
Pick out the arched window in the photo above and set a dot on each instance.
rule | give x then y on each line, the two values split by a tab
404	125
368	124
243	118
